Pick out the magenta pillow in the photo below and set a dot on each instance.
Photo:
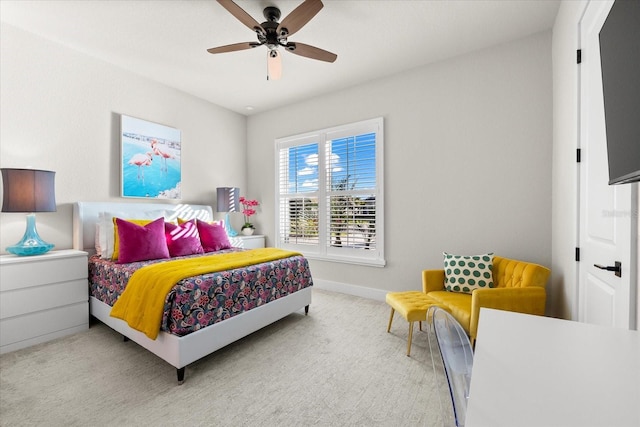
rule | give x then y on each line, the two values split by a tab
183	239
212	236
141	242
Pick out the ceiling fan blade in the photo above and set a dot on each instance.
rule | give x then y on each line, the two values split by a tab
300	16
311	52
233	47
242	16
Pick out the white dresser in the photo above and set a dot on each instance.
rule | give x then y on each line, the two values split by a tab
42	297
248	242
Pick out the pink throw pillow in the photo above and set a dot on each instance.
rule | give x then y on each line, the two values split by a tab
183	239
141	242
212	236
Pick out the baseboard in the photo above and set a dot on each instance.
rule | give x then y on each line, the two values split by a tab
349	289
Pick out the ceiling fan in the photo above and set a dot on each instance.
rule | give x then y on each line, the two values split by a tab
273	34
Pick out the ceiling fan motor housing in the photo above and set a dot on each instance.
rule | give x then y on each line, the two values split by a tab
270	37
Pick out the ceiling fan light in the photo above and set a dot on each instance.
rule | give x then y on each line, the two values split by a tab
274	65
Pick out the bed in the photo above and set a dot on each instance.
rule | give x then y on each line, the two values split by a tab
176	344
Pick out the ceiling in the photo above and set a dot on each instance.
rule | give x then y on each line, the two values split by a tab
166	40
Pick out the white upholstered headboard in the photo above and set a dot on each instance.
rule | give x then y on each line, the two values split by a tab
85	217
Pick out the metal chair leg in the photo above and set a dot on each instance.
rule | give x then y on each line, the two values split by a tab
390	319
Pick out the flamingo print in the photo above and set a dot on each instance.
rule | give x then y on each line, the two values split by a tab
140	160
158	152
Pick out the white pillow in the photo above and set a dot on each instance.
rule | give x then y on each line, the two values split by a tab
97	239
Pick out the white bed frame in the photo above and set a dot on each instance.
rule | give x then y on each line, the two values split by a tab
178	351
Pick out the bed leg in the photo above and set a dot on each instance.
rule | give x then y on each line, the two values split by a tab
306	310
180	372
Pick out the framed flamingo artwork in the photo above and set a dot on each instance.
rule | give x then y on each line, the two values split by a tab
150	161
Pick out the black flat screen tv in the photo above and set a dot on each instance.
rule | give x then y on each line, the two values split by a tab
620	58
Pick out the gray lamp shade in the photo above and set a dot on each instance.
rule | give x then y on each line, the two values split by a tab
228	199
28	190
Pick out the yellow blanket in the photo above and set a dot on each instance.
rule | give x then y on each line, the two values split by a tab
142	303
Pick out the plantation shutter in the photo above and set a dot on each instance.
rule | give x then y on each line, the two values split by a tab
351	191
330	193
298	194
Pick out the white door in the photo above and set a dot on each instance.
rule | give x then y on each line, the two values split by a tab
607	226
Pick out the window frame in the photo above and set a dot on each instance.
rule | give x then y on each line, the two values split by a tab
323	250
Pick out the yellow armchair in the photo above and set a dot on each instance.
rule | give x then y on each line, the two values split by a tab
518	286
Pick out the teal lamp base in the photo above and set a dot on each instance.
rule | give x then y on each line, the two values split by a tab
228	228
31	243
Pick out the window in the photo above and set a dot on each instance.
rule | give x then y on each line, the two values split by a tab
330	198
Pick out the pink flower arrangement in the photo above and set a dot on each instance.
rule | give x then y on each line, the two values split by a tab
248	210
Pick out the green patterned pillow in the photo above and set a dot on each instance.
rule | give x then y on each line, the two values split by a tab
467	273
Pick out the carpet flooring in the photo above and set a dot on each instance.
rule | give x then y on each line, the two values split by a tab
335	367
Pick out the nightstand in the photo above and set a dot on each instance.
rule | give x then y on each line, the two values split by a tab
248	242
42	297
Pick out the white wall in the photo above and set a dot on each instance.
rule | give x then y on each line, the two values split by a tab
60	110
468	145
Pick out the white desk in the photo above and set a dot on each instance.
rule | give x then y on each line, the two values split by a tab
538	371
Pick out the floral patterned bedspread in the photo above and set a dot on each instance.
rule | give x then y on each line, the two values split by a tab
199	301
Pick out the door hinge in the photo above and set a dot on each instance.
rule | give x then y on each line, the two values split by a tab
579	56
579	155
577	254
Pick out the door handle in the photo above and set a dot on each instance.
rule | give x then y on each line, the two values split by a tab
617	267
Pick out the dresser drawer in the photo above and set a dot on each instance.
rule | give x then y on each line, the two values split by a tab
42	270
38	327
248	242
36	298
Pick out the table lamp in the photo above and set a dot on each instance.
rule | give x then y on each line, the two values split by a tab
29	190
228	201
